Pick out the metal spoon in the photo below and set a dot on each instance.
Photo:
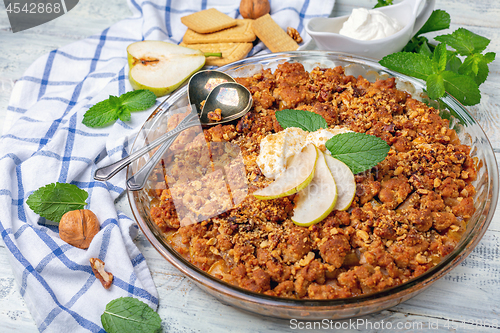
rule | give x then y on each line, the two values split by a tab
137	181
232	98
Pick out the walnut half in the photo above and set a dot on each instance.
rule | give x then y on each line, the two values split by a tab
292	32
99	272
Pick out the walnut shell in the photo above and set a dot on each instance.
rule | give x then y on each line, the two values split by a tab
78	227
253	9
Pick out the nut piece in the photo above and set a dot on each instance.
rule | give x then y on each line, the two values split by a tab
78	227
215	115
292	32
99	272
253	9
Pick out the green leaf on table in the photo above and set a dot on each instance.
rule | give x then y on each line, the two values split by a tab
464	41
113	108
100	114
383	3
138	100
114	101
412	64
438	20
54	200
435	86
440	57
358	151
462	87
476	66
306	120
425	50
124	114
130	315
453	63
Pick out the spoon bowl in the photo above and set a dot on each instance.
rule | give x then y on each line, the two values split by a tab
202	83
233	99
325	31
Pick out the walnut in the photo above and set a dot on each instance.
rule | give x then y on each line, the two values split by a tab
292	32
215	115
253	9
78	227
106	278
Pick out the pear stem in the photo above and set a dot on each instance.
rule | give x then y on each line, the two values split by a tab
213	54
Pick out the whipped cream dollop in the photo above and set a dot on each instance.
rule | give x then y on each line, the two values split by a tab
277	148
369	24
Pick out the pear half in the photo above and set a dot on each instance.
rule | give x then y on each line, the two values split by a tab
298	174
160	66
318	199
346	185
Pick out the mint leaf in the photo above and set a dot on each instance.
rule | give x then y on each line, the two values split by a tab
54	200
308	121
464	41
124	114
440	57
462	87
435	86
438	20
383	3
415	44
114	101
425	50
138	100
128	314
413	64
476	66
109	110
358	151
453	63
100	114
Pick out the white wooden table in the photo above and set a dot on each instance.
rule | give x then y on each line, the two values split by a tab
466	300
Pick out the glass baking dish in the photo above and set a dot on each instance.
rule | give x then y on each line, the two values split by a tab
467	128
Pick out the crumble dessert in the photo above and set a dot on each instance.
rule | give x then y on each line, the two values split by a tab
409	211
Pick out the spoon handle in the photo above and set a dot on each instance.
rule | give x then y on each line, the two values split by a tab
108	171
138	180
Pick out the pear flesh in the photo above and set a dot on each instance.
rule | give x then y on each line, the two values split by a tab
346	185
298	174
318	199
161	66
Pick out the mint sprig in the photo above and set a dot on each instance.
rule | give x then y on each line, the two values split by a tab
359	151
113	108
459	72
438	20
308	121
128	314
54	200
383	3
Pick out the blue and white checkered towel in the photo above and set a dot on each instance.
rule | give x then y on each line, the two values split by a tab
46	142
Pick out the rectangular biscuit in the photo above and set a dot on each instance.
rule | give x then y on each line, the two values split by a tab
230	51
271	34
208	20
241	33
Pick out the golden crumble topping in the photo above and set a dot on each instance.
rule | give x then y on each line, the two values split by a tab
408	213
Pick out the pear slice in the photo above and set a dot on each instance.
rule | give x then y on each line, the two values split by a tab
346	185
160	66
298	174
318	199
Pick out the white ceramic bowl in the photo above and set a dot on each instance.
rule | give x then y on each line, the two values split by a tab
325	30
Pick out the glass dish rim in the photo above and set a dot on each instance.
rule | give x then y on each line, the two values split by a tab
463	249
